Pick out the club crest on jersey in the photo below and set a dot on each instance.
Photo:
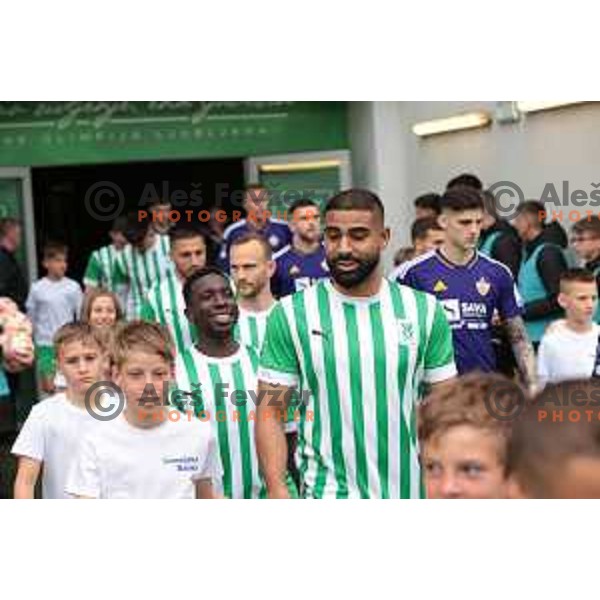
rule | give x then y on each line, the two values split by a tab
294	270
440	286
406	332
324	266
483	286
273	240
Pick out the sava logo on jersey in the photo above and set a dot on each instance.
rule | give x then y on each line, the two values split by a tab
472	315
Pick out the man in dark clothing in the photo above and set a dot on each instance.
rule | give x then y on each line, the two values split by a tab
12	281
498	239
553	233
539	276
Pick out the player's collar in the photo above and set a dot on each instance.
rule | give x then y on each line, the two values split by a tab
452	265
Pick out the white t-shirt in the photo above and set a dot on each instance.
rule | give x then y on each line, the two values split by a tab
52	434
50	305
119	460
565	354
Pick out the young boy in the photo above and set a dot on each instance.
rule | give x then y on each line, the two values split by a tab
53	301
463	445
49	438
149	450
554	449
569	348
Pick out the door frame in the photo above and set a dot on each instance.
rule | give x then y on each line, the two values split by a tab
24	175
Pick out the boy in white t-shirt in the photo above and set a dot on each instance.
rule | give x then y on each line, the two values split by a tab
51	434
150	450
53	301
569	347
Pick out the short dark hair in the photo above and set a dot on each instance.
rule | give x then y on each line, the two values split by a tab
253	237
461	198
302	203
588	225
136	228
534	208
184	233
196	276
119	225
540	447
356	199
576	275
403	254
429	201
54	249
467	180
421	227
7	223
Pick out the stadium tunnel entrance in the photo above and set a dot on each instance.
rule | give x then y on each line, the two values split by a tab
77	204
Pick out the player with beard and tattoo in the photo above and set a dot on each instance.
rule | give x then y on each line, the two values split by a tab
358	347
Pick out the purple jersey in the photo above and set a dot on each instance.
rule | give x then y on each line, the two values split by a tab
296	271
470	295
276	232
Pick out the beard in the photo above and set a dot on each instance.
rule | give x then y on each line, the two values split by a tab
349	279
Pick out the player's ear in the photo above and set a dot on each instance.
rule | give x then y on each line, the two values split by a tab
271	268
562	300
443	220
386	236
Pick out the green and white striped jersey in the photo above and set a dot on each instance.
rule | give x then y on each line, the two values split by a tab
165	305
216	385
140	271
100	270
361	362
251	327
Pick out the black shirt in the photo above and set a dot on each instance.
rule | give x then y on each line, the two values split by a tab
12	281
507	247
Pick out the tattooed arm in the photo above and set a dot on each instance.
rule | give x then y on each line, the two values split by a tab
523	350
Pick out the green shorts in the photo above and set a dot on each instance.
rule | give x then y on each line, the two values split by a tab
45	361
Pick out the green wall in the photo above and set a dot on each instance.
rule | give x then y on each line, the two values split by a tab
61	133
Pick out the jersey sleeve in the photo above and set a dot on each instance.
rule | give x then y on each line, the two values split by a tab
406	275
509	300
439	354
279	361
32	437
84	475
93	271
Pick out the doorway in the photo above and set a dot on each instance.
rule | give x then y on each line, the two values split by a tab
61	212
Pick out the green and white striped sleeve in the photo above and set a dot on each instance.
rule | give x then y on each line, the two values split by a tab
279	361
